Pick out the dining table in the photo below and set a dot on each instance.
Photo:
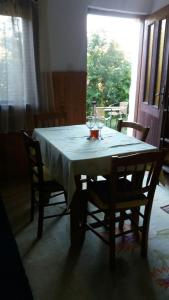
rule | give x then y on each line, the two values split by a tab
70	154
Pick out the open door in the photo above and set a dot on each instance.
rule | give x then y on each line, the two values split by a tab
153	87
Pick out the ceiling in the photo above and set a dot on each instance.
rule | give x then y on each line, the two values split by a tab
142	7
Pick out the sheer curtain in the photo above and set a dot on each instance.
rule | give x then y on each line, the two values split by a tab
18	82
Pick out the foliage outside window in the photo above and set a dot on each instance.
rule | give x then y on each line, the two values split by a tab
11	67
109	73
18	89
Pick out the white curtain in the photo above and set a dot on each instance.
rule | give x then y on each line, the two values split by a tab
18	84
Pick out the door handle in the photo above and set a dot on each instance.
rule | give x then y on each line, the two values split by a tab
159	94
162	95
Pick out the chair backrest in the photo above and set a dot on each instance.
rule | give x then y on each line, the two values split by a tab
100	112
141	171
123	107
136	126
34	158
50	119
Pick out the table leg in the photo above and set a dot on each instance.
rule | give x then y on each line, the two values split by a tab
78	215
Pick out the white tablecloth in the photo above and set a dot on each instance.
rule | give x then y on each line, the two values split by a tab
67	152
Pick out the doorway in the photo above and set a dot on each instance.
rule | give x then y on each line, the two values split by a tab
152	108
112	62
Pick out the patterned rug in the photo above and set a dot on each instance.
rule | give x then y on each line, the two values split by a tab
158	245
56	272
165	208
158	260
157	269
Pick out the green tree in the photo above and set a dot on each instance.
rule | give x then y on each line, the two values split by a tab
109	73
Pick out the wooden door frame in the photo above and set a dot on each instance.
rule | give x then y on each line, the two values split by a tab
140	55
141	77
162	12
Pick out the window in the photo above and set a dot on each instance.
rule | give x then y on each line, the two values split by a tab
154	62
18	85
149	61
15	62
160	62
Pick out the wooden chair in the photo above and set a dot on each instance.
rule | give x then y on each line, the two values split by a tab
100	112
164	175
49	119
43	187
136	126
123	108
128	188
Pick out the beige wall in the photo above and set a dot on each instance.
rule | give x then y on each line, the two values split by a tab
63	29
157	4
129	6
63	35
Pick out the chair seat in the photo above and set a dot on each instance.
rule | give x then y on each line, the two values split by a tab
125	197
49	184
51	187
165	168
46	174
102	198
43	185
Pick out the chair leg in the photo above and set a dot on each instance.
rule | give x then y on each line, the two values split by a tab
40	221
135	225
106	219
32	204
111	218
144	243
122	217
78	215
65	195
135	214
144	240
110	121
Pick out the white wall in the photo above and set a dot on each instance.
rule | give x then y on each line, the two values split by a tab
157	4
44	36
63	29
131	6
66	34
